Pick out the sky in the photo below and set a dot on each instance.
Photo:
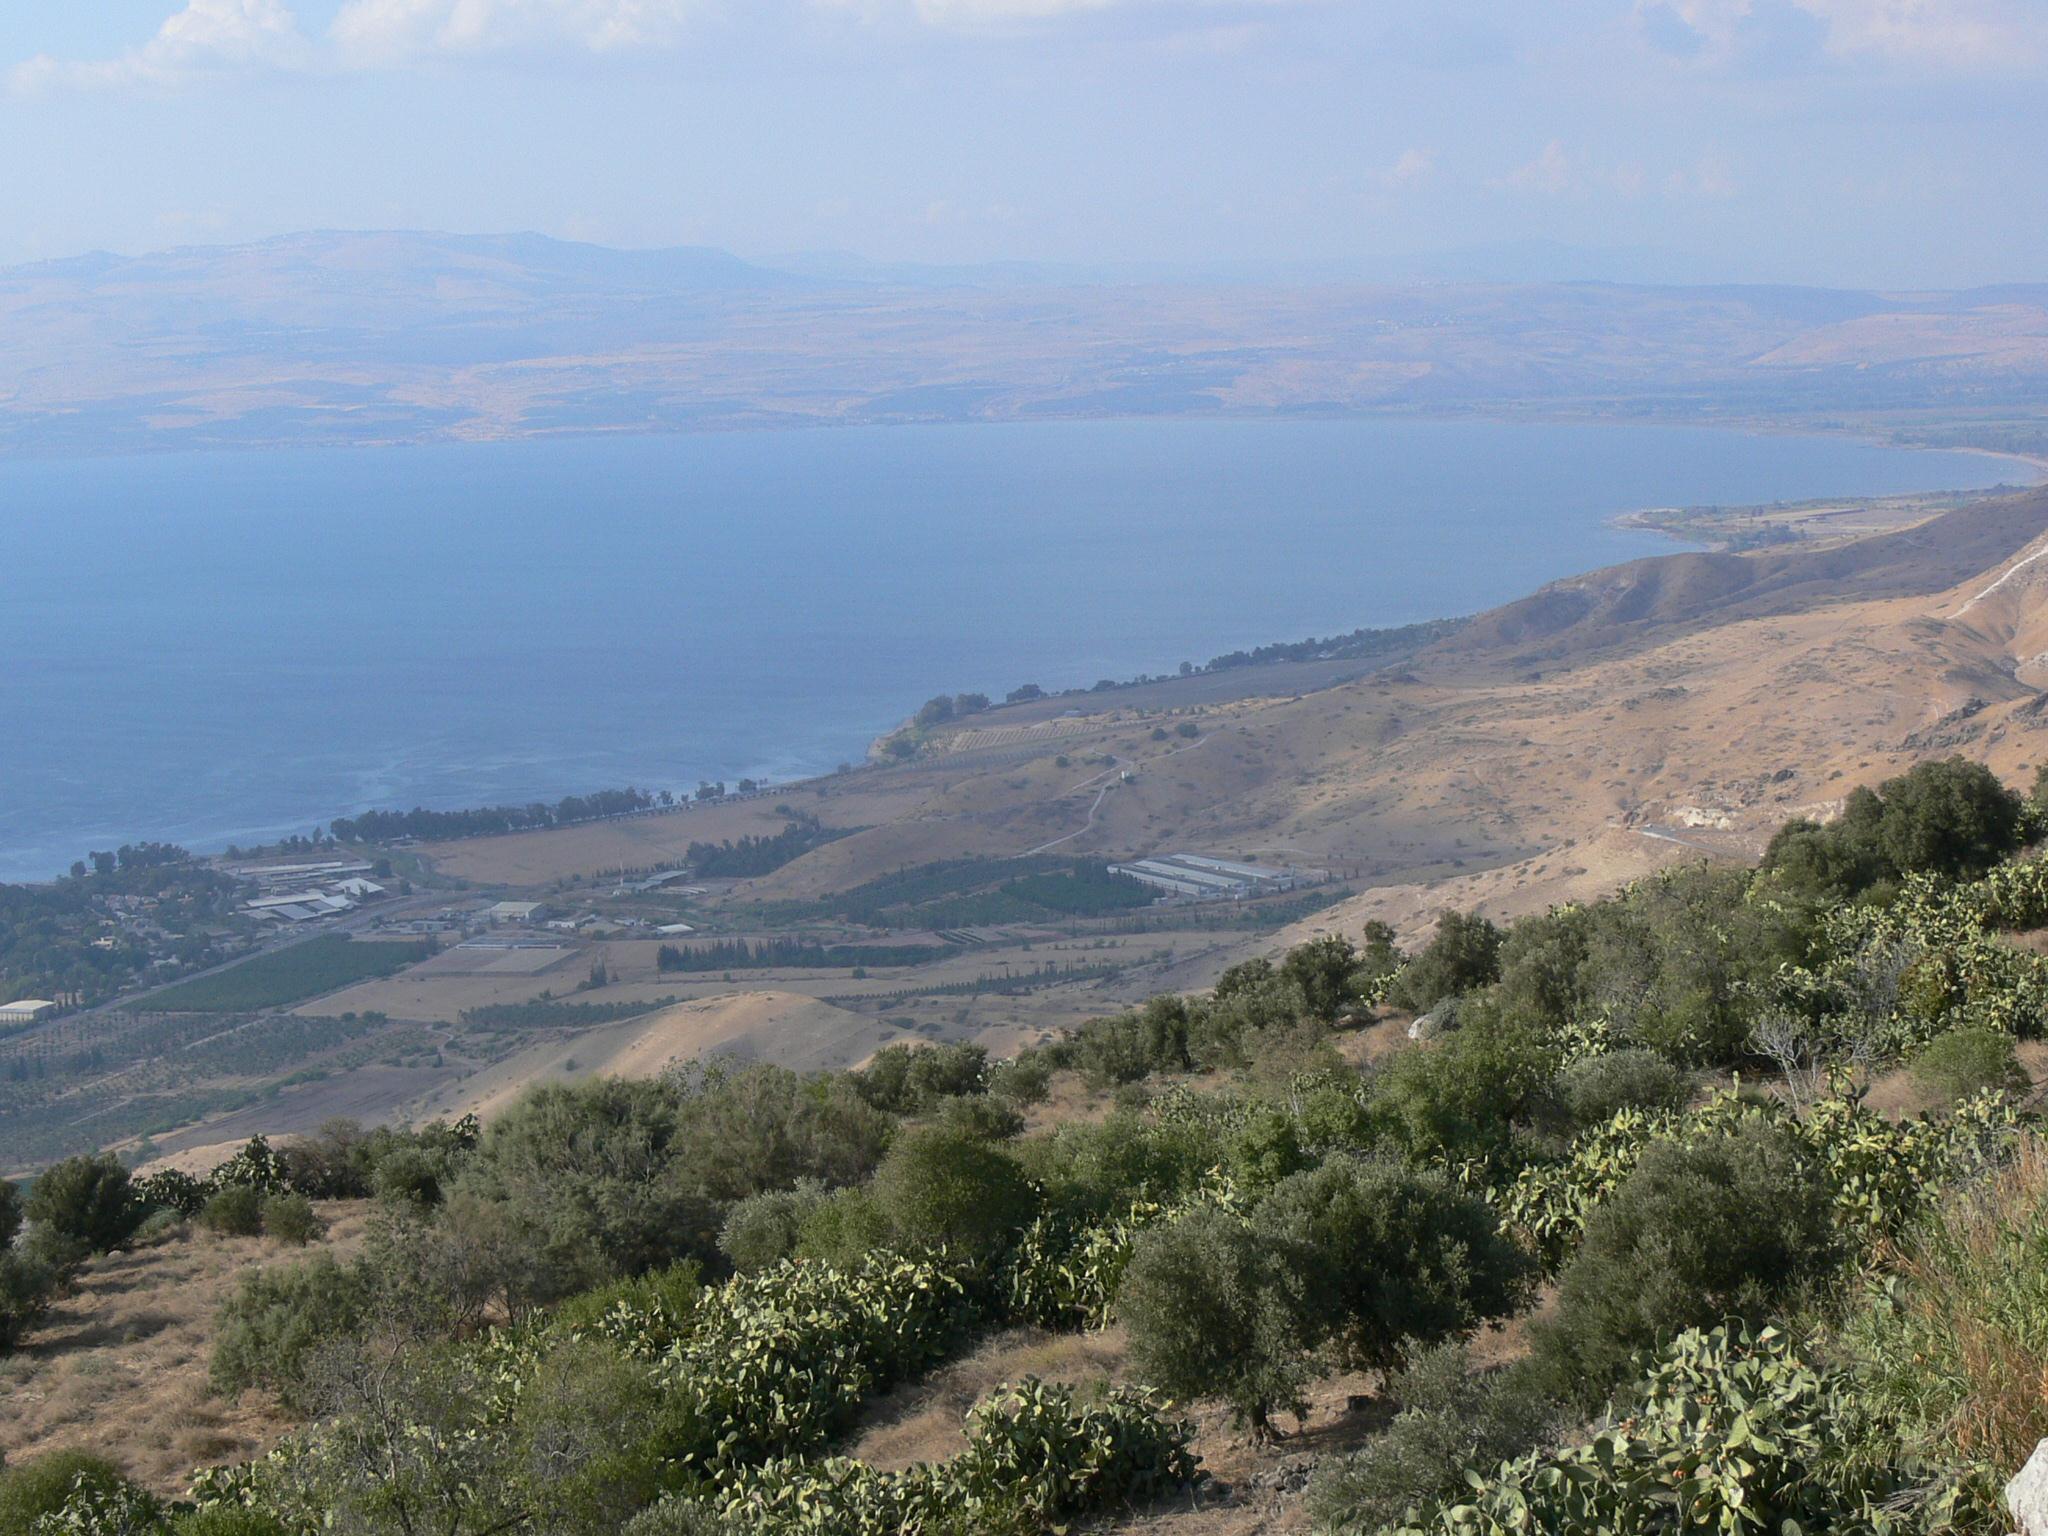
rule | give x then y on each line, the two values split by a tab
1869	143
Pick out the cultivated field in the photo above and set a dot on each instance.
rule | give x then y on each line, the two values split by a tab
282	976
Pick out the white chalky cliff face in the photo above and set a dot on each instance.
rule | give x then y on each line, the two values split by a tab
2026	1496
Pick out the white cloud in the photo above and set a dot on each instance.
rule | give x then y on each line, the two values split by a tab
1413	166
1972	35
388	31
1550	172
206	37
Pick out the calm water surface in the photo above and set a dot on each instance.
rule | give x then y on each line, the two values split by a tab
225	647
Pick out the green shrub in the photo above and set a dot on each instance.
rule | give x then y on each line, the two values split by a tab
43	1485
290	1218
1451	1417
1726	1227
763	1230
1728	1432
938	1189
589	1182
1099	1170
656	1306
1462	956
844	1228
982	1116
10	1211
1385	1255
1594	1089
409	1176
236	1211
589	1421
1462	1096
680	1517
171	1189
1023	1080
25	1289
904	1079
1211	1311
1969	1061
226	1520
86	1201
268	1331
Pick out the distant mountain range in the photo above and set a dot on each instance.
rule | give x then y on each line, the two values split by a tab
404	336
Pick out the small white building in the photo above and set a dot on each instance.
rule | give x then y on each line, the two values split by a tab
26	1010
517	912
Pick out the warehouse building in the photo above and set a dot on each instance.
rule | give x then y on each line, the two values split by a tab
1197	877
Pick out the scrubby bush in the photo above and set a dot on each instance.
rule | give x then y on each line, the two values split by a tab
337	1162
255	1165
10	1211
1729	1226
587	1179
763	1230
85	1201
1462	1096
410	1176
1594	1089
1023	1080
843	1229
586	1432
904	1079
681	1517
1969	1061
1951	818
658	1303
172	1189
290	1218
269	1330
980	1115
1098	1170
940	1189
1212	1311
25	1288
1384	1256
44	1484
1452	1416
236	1211
226	1520
1462	956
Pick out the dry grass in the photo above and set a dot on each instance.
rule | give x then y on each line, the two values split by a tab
119	1366
1969	1345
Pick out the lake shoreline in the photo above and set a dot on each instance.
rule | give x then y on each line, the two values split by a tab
741	605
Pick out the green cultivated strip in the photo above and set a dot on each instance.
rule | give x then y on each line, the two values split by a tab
285	976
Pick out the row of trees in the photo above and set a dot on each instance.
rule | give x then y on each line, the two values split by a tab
484	821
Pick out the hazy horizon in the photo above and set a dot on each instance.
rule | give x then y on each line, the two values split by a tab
1839	143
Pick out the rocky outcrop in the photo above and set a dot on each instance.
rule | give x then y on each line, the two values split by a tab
2026	1496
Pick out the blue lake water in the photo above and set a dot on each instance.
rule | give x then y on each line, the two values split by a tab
226	647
